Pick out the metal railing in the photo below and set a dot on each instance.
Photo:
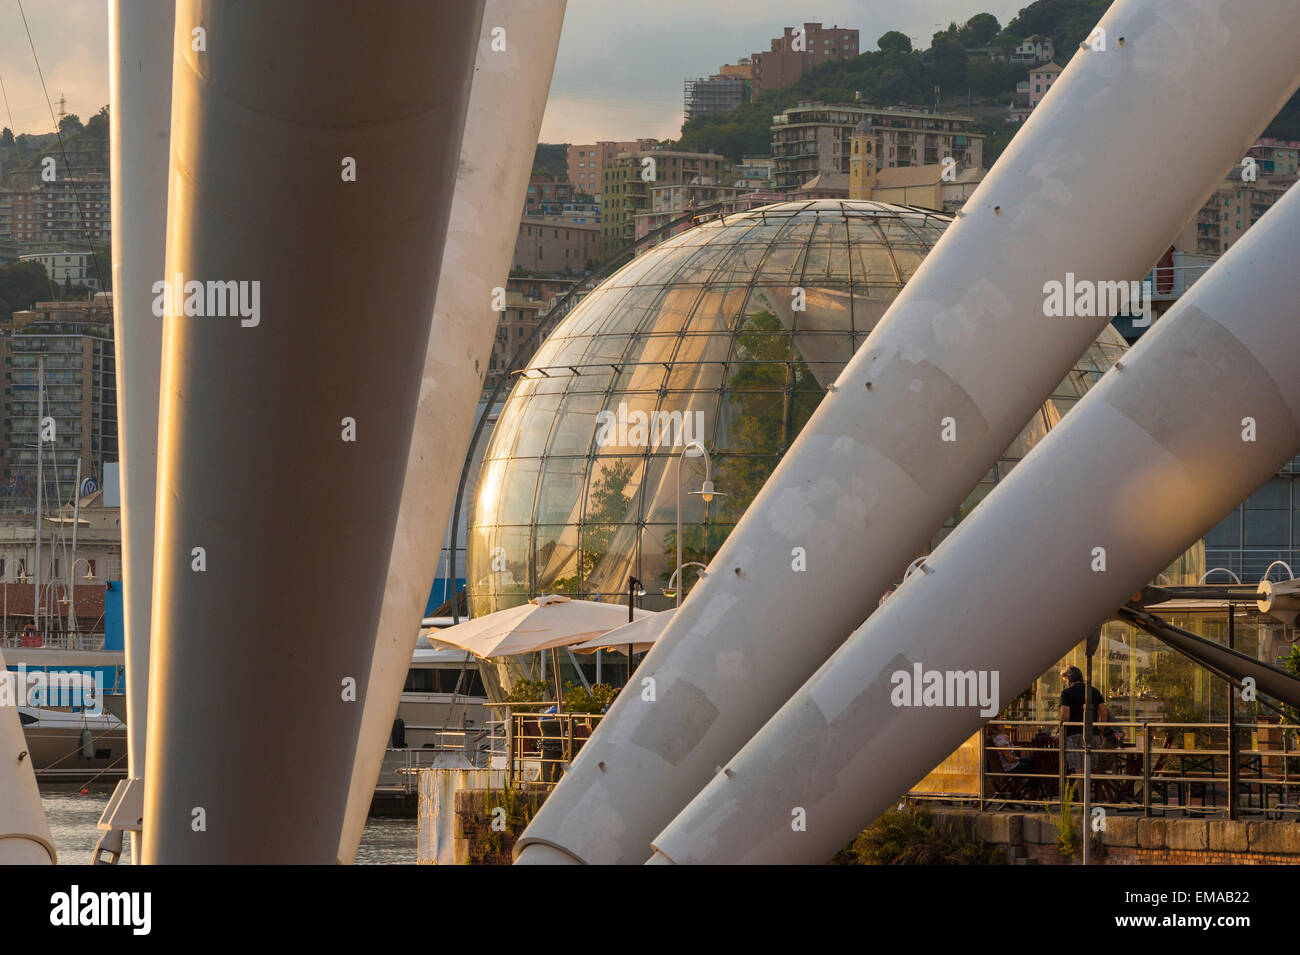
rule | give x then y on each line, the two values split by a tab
534	746
1154	767
401	766
53	640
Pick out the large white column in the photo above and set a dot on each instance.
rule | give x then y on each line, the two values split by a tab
1128	144
140	80
24	833
314	152
505	115
1201	412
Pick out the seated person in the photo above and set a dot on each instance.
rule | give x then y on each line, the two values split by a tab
1007	756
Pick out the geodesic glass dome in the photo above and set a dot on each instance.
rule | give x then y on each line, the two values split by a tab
701	338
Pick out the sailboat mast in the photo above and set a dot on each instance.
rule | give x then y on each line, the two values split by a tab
40	444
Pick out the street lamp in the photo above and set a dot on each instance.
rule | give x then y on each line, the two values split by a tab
634	590
69	596
672	590
707	492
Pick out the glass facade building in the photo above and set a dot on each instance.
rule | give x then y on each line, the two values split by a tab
729	335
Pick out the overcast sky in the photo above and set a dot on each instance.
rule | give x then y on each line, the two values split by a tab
618	76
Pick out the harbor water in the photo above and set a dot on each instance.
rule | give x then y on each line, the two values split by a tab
72	819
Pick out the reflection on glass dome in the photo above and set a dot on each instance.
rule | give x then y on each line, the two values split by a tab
700	339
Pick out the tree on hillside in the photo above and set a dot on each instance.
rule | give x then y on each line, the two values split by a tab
982	28
7	137
947	63
21	285
70	125
896	42
98	124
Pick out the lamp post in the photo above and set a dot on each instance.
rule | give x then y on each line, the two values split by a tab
674	587
707	492
634	590
71	598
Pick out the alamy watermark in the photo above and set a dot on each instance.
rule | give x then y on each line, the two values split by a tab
922	687
642	429
1084	298
66	688
211	299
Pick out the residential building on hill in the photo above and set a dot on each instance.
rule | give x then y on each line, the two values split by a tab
556	244
798	50
75	342
1040	81
69	213
812	139
626	182
586	161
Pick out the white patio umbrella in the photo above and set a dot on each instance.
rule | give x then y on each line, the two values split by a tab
543	623
640	635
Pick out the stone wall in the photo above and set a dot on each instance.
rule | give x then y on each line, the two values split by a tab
488	821
1031	839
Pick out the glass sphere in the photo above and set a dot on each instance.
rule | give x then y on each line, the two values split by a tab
726	335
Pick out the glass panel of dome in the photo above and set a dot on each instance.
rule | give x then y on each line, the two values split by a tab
518	493
545	355
590	316
661	488
700	363
576	425
559	496
603	349
632	274
907	259
491	488
547	382
669	264
555	558
640	379
784	261
751	421
504	567
871	260
535	426
614	489
825	310
701	267
671	311
815	354
506	431
590	379
742	476
716	311
608	556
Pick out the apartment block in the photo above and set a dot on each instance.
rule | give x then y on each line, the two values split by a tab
71	212
556	244
74	343
798	50
586	161
626	183
72	268
814	139
719	93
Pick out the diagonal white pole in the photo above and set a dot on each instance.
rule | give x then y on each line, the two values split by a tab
140	79
511	80
24	834
1108	168
314	154
1200	413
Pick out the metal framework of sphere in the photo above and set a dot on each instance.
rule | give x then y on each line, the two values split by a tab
728	335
